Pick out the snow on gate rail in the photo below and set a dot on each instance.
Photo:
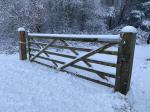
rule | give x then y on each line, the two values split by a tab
43	49
101	38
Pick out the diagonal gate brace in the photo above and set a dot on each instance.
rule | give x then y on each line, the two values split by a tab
42	50
65	43
76	53
87	55
40	47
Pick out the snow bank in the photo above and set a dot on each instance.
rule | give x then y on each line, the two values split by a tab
129	29
139	94
29	87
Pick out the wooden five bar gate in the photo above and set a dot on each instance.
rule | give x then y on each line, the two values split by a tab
44	46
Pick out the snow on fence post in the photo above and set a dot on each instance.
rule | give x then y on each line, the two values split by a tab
125	59
22	44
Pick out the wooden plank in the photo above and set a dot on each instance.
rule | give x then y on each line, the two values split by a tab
110	52
69	39
39	46
111	40
65	43
87	63
42	50
77	48
74	57
48	59
78	75
102	63
96	81
53	67
55	63
99	73
59	54
87	55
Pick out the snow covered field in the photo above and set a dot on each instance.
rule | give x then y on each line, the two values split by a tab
29	87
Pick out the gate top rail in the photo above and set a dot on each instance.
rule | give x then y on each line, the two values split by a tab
102	38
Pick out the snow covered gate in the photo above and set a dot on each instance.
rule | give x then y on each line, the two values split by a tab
60	51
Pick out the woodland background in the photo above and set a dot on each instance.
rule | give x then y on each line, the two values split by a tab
72	16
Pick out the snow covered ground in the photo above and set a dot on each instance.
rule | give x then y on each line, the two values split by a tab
29	87
139	95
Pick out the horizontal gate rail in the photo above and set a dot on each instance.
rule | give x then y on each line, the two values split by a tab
80	76
102	63
44	48
39	46
70	49
86	38
87	55
80	67
74	57
75	48
99	73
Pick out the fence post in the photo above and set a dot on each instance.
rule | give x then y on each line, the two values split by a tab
125	59
22	44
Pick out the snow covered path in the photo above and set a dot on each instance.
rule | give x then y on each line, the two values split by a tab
29	87
140	86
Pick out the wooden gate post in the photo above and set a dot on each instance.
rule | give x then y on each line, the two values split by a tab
22	44
125	59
